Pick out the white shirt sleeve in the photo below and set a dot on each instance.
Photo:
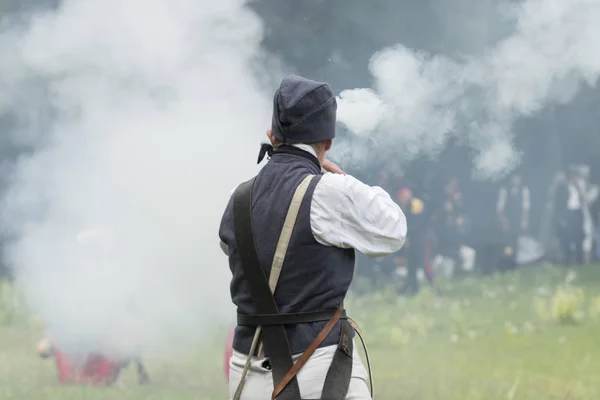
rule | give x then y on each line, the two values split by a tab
592	194
346	213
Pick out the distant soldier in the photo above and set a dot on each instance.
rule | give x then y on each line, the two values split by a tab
513	207
569	214
414	247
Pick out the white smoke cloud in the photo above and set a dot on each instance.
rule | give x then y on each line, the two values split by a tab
145	115
362	110
427	99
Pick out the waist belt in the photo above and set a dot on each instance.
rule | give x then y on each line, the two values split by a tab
270	323
287	319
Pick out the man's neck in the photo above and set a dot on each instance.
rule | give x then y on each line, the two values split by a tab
306	147
309	149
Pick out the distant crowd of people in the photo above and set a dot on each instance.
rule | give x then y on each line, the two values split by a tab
439	241
440	236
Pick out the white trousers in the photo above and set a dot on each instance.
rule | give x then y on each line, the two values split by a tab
311	377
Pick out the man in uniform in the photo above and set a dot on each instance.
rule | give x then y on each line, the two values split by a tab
414	248
570	217
513	207
291	235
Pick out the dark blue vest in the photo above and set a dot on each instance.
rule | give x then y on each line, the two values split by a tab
314	277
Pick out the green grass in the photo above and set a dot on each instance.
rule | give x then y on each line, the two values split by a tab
492	338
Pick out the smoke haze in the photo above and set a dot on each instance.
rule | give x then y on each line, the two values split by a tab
423	100
140	117
141	114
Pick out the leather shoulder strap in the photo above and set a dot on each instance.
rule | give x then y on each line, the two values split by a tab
244	238
261	289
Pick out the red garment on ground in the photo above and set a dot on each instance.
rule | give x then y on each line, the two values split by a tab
96	369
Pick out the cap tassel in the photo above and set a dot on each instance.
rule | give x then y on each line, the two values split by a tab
265	149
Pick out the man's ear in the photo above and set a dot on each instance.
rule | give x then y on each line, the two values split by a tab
271	137
328	144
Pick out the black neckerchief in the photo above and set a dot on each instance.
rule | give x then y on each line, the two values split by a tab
267	149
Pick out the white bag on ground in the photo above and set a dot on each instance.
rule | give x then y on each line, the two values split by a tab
467	256
529	250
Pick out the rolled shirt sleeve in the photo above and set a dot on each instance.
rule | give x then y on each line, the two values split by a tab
347	213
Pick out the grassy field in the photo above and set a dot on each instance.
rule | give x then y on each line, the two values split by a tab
525	335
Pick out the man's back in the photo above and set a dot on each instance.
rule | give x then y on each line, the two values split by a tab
314	277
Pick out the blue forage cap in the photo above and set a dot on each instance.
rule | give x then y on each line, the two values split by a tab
304	111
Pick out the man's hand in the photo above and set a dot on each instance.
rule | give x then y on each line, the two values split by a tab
332	167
